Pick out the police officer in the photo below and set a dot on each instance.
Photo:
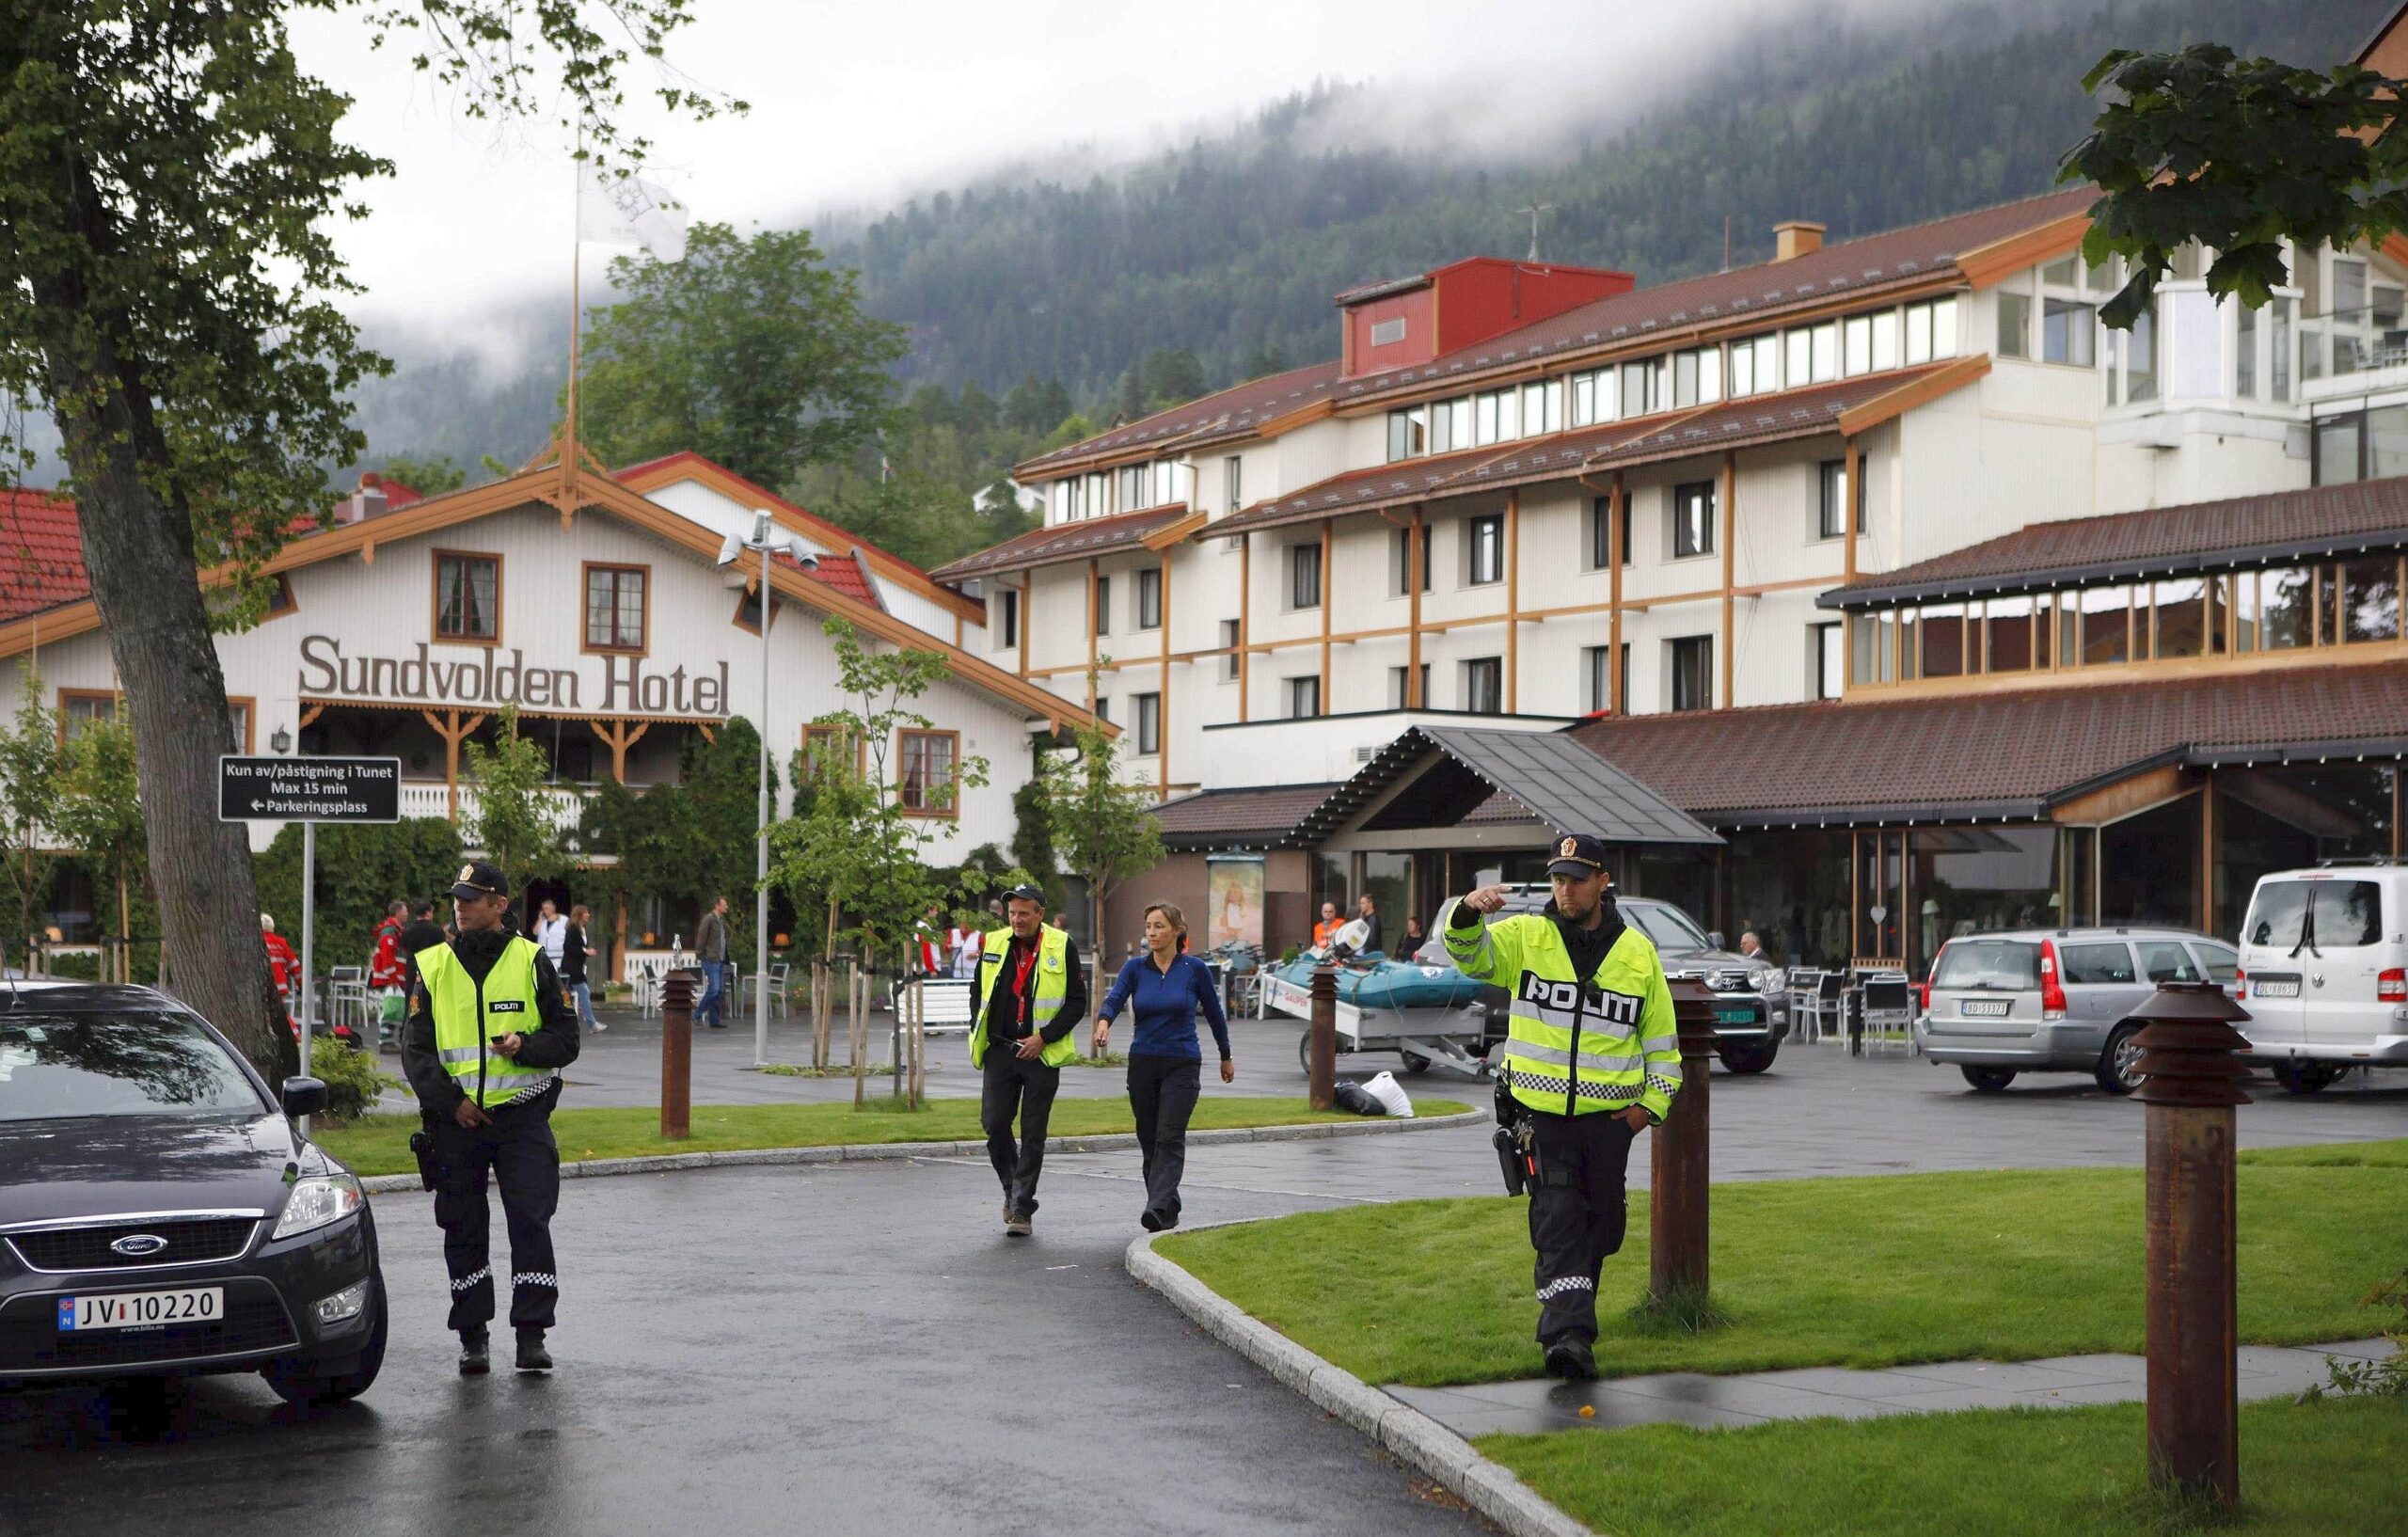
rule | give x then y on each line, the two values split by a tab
1592	1058
485	1038
1029	997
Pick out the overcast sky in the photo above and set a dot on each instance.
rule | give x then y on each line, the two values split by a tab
856	103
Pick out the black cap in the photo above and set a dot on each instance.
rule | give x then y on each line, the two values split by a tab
1578	854
479	878
1025	893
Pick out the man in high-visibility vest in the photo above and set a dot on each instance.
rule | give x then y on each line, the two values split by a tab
1591	1059
1029	997
487	1033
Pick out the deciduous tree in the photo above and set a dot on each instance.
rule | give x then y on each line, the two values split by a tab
1101	822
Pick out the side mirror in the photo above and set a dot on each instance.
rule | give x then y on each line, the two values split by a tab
1713	938
303	1097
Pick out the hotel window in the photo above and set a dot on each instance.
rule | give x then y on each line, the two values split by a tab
1932	331
79	707
1104	605
1485	549
1885	340
1484	685
1940	628
1813	354
1601	532
1074	500
1692	519
824	747
2287	600
1755	365
2014	324
2140	359
1594	659
1855	344
1645	386
1098	494
1697	376
1832	497
748	611
2094	626
1005	607
1233	482
1147	708
1150	598
1451	425
1509	414
1408	432
930	763
2010	641
1131	482
1303	575
1400	558
1542	407
1693	664
1229	651
1484	419
238	716
614	608
1873	639
1173	481
1387	333
279	597
1304	697
2188	617
1827	661
467	597
1397	697
2369	593
1584	399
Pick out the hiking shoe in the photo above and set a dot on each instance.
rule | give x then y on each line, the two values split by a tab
1018	1224
476	1358
1150	1220
1570	1360
532	1356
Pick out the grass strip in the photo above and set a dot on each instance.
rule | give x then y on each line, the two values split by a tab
1867	1272
2389	1154
380	1144
2306	1470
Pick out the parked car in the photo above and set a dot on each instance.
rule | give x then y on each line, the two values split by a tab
2325	957
1751	996
161	1217
2056	1000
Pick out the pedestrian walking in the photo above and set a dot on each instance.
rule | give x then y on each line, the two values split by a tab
1028	999
710	948
389	974
551	932
573	956
1165	987
1590	1059
283	967
487	1035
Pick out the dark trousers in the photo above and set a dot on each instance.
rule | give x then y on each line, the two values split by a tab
1019	1087
1161	1091
526	1163
1577	1216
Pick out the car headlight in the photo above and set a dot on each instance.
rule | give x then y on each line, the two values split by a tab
1772	979
316	1201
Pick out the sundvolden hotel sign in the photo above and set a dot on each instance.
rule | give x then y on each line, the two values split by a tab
495	678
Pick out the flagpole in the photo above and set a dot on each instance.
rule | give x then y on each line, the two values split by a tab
576	312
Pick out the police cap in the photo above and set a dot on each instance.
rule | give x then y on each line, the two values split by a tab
1578	854
479	878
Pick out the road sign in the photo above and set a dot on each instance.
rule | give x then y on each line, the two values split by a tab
308	790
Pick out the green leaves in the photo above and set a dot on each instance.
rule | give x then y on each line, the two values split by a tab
515	817
2238	155
1099	822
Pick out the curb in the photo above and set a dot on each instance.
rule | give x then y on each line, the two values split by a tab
379	1185
1415	1438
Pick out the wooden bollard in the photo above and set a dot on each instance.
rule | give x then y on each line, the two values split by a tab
678	990
1321	1059
1680	1163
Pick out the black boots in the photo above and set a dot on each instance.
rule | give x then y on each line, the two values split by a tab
1570	1360
475	1355
532	1356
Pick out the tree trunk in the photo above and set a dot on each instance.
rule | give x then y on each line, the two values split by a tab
125	929
140	551
1095	963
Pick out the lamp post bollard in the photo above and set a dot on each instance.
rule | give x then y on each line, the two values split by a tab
677	1054
1679	1162
1322	1075
2190	1084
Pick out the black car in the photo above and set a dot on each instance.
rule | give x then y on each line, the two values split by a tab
159	1213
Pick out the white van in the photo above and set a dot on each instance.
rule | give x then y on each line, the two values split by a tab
2324	970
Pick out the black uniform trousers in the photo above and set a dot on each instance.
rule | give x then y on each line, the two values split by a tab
1162	1092
1014	1085
526	1163
1576	1216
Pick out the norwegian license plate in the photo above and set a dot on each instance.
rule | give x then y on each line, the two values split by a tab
1984	1008
1737	1014
2274	986
141	1309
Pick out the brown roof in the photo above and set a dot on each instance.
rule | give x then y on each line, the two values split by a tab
1995	754
2196	536
1256	819
1076	540
1233	412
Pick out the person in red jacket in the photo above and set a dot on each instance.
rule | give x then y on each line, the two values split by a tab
283	965
388	977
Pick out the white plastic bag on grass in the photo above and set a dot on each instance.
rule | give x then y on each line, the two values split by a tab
1383	1088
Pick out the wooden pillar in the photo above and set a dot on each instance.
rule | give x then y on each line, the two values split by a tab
447	725
1328	533
1161	705
1027	583
1513	600
1730	538
1850	495
1245	608
1618	509
1094	567
1416	543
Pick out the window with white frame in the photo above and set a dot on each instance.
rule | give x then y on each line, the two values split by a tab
1690	660
1229	643
1408	432
1304	697
2069	319
1451	425
1104	605
1755	365
1812	355
1541	407
1692	505
1401	560
1233	482
1646	386
1485	549
1003	622
1594	660
1148	710
1398	698
1931	330
1697	376
1134	488
2014	319
1484	685
1150	598
1601	531
1826	661
1832	501
1483	418
1304	574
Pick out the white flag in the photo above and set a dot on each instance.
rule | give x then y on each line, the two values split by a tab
629	211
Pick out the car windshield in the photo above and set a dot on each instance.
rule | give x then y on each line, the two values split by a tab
1669	928
2348	913
1998	965
75	1065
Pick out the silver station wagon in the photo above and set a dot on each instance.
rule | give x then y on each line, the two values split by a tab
2057	1000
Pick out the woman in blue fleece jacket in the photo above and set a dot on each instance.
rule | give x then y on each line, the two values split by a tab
1166	987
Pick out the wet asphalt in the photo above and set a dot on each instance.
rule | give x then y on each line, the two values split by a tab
859	1348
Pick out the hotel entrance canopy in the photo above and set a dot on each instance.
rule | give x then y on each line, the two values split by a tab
1439	777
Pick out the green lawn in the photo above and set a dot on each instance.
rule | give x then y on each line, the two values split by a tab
2306	1470
1853	1272
380	1144
2337	1155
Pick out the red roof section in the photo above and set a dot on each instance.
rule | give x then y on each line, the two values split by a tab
42	553
1074	540
1224	413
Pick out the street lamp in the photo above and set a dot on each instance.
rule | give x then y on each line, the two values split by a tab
769	539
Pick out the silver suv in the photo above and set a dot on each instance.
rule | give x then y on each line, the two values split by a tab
2057	1000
